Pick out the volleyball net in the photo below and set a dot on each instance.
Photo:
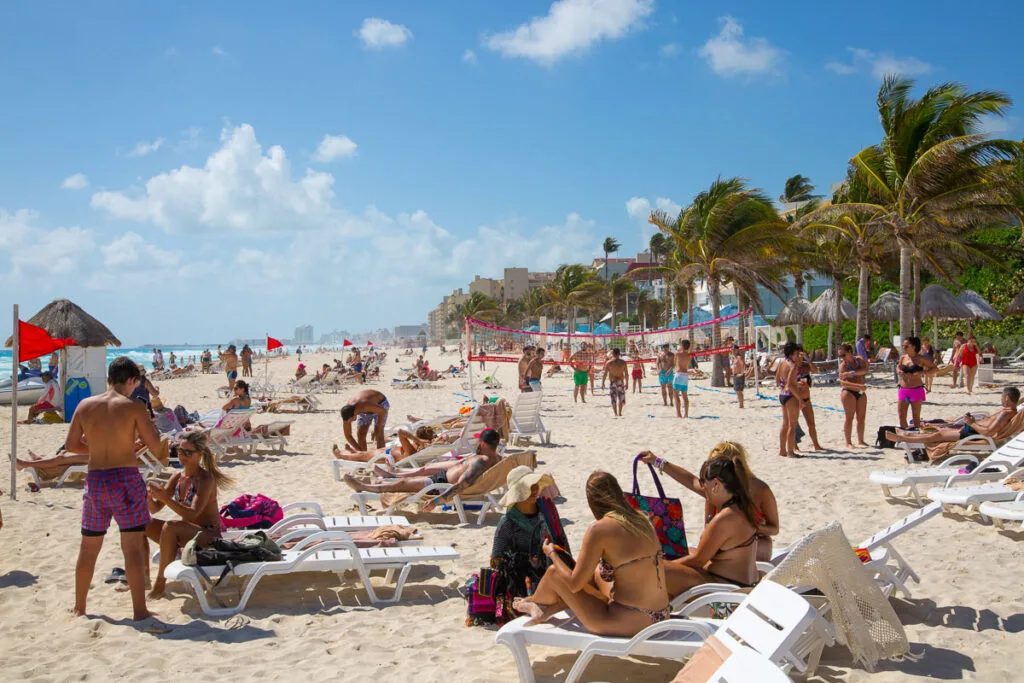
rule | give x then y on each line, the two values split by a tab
487	342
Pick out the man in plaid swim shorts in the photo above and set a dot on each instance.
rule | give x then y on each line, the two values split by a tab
105	427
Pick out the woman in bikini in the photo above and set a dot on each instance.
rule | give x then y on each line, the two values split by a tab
928	353
727	551
785	379
968	357
804	368
620	552
766	511
910	370
852	371
192	495
240	400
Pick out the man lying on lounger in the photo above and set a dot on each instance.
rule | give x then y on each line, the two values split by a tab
989	426
409	443
461	473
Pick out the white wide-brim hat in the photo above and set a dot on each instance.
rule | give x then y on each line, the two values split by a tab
519	483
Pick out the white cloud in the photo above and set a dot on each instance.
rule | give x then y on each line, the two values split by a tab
38	255
730	54
335	147
378	34
990	124
78	181
131	261
570	27
469	57
669	49
238	189
639	209
218	51
141	149
879	64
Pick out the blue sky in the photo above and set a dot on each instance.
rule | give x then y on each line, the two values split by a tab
208	170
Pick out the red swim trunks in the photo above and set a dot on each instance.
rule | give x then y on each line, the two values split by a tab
118	493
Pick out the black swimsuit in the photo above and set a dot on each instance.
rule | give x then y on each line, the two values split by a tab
855	394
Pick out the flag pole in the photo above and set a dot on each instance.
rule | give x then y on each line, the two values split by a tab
472	395
266	359
14	408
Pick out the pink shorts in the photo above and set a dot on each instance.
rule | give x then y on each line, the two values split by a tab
912	395
118	493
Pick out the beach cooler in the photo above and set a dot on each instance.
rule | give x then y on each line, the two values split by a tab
986	374
75	391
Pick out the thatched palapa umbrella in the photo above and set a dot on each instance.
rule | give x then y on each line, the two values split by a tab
938	303
794	313
981	309
1016	306
824	309
886	309
64	318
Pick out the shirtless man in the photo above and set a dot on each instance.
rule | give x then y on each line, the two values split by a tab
739	374
524	363
666	363
535	369
615	370
230	360
105	427
988	426
460	473
365	408
580	374
681	379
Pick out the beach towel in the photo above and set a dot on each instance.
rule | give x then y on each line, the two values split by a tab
251	512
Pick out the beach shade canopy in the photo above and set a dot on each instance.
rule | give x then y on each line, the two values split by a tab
886	308
937	302
793	313
981	309
602	328
63	318
823	309
1016	306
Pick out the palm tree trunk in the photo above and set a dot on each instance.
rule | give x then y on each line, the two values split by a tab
715	294
690	296
863	301
836	338
906	304
606	266
741	331
917	298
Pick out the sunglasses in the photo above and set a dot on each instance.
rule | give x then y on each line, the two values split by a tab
186	450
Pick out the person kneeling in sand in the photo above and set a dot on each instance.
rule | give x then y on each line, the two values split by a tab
988	426
408	444
192	495
618	584
460	473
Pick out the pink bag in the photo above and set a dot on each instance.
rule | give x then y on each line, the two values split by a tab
251	512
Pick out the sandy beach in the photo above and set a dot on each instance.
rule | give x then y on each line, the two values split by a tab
964	621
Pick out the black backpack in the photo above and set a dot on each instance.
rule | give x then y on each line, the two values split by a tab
881	441
253	547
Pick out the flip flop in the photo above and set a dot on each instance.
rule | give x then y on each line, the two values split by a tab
154	627
117	575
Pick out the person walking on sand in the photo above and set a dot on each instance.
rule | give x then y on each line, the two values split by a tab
638	373
615	370
580	375
534	369
739	374
230	360
681	379
666	363
524	364
105	427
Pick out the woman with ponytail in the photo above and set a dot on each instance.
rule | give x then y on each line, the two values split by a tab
192	494
620	551
766	511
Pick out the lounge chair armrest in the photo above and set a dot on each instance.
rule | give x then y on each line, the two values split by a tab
977	439
764	567
321	537
292	521
962	459
310	505
683	599
700	628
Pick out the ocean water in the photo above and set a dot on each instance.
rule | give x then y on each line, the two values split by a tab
141	355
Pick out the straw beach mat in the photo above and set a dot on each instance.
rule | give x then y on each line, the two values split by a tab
864	620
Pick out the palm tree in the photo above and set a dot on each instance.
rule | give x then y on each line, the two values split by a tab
798	188
933	174
478	305
574	286
610	246
831	252
617	290
728	233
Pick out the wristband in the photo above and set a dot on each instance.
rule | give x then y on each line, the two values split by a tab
659	465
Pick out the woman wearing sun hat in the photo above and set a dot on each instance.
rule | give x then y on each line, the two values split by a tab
517	558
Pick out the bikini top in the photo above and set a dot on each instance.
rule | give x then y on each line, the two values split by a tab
190	494
607	572
780	379
721	554
913	367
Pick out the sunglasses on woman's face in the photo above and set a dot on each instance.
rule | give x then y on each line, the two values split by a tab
186	450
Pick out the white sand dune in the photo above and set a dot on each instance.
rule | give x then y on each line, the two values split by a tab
965	620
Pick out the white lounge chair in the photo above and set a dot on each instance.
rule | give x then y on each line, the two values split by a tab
974	495
1008	456
1001	513
771	620
526	422
149	466
892	571
309	515
326	551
